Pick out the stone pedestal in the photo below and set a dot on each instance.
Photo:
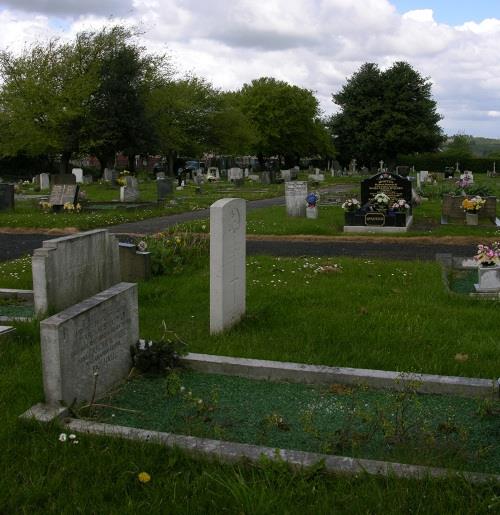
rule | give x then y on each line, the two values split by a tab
489	279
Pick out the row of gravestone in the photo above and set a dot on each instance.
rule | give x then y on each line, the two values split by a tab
94	321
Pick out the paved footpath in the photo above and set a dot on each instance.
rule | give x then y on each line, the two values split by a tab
18	245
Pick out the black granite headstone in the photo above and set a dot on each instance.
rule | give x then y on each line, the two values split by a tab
6	196
62	178
394	186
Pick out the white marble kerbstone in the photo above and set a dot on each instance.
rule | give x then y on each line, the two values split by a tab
87	346
227	263
295	195
67	270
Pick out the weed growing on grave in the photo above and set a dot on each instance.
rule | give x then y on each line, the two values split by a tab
171	251
158	356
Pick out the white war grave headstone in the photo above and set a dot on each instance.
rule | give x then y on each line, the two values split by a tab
295	195
78	173
227	263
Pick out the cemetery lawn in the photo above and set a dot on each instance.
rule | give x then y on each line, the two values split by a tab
27	213
41	474
430	430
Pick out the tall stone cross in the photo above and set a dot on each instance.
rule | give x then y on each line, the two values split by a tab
381	163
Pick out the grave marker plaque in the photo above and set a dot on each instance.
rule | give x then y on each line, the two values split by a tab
63	193
394	186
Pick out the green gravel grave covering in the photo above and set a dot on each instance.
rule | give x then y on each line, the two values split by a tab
434	430
462	281
17	311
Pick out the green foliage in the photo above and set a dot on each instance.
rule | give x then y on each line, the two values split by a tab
459	147
385	113
158	356
436	162
286	119
171	251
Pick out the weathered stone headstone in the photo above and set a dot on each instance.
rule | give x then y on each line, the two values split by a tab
78	173
110	175
44	181
62	178
394	186
6	196
129	192
164	188
295	195
88	179
70	269
160	175
227	263
86	347
135	265
61	194
265	177
286	175
235	173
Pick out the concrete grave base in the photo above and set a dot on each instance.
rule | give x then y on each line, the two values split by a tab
377	229
278	371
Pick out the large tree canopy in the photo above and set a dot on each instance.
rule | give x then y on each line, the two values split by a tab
286	119
385	113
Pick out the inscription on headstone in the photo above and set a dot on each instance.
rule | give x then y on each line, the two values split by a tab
63	193
394	186
295	195
377	219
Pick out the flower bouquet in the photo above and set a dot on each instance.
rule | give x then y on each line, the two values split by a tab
400	206
351	205
381	201
488	255
473	205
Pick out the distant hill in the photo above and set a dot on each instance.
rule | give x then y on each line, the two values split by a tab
480	147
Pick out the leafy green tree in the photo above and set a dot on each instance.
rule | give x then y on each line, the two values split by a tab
459	147
385	113
190	117
286	120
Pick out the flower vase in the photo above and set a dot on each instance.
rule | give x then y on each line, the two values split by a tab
471	218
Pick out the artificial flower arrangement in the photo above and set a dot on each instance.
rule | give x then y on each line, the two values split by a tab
121	180
312	199
351	204
473	205
488	255
400	206
72	208
381	201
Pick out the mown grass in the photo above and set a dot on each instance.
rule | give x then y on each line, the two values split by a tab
27	213
99	475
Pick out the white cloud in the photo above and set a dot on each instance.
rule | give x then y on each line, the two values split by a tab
312	43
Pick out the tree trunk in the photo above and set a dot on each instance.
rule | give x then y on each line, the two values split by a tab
64	166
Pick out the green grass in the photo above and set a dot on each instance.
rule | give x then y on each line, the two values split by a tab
431	430
99	475
28	214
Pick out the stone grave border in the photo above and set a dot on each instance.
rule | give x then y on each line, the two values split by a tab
9	293
232	452
377	229
449	262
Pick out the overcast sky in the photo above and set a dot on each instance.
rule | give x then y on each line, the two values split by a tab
315	44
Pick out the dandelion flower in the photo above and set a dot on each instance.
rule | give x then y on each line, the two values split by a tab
144	477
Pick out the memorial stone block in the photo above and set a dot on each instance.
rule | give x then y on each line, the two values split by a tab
72	268
60	194
164	188
44	181
6	196
88	179
62	178
295	196
78	173
227	263
86	347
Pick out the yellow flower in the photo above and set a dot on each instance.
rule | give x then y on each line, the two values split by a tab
144	477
